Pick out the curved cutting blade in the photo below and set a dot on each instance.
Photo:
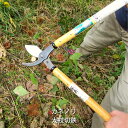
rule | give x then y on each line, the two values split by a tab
33	50
33	63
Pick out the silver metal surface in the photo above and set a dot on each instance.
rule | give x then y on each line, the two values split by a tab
43	56
48	63
33	50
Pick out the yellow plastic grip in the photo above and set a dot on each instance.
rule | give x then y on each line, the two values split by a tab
65	38
98	109
90	102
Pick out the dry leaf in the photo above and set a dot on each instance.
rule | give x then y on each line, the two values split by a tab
120	43
46	70
55	36
55	125
34	123
33	109
58	31
2	51
40	20
2	124
7	45
11	66
52	79
40	40
113	48
46	45
41	88
60	57
30	32
45	88
89	110
26	11
25	28
31	87
41	121
90	91
17	126
60	86
34	30
46	107
28	96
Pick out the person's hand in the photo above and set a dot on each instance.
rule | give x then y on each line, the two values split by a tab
118	120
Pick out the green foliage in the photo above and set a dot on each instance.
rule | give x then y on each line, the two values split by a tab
52	79
33	79
37	35
71	65
20	91
61	103
54	101
66	22
8	17
75	57
55	89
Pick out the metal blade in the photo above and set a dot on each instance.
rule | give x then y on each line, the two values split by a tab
33	63
33	50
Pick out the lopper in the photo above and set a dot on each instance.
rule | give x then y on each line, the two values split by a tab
43	55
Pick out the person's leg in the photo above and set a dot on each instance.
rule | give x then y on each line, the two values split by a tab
104	33
117	96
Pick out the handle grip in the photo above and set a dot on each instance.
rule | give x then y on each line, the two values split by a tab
65	38
81	94
109	9
98	109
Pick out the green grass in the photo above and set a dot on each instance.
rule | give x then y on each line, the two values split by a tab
47	20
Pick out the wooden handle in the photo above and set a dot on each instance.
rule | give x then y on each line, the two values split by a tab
65	38
98	109
60	75
111	8
81	94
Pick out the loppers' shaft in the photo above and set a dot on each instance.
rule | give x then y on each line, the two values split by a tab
111	8
82	95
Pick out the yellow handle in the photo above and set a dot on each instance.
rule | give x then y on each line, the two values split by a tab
60	75
65	38
79	92
98	109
